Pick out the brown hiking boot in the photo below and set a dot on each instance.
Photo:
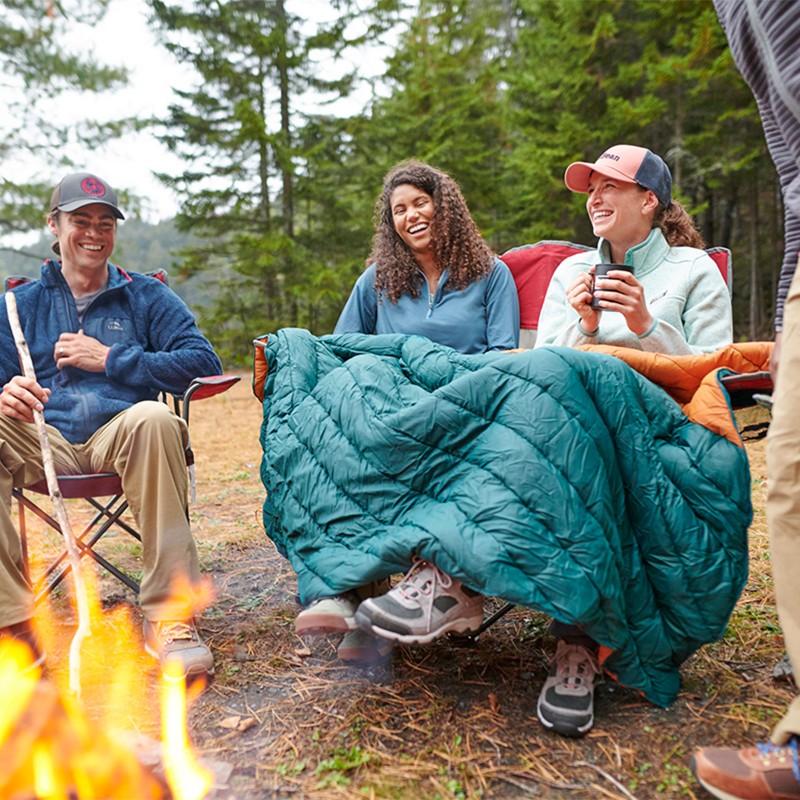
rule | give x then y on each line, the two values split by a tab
23	632
178	642
764	772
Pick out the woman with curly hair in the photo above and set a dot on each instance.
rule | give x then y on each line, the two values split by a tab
670	296
430	272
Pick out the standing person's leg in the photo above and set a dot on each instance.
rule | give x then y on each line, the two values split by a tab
783	496
146	445
21	465
769	771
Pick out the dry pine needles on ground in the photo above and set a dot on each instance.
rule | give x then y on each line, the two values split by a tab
445	721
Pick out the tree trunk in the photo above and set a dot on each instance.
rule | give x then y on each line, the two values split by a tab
285	157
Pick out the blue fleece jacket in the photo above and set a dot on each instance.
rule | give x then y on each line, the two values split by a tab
483	316
155	346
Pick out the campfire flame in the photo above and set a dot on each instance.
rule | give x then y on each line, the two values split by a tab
187	779
44	773
56	745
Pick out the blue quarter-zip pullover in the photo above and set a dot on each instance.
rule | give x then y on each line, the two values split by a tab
483	316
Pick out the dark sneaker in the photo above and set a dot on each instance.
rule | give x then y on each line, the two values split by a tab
566	702
178	642
424	605
23	632
327	615
764	772
360	647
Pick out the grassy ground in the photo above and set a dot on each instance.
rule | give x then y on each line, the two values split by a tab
284	719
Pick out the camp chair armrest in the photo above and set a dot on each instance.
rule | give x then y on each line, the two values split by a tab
749	380
763	400
742	387
201	388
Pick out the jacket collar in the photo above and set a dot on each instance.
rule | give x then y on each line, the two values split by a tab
51	275
642	257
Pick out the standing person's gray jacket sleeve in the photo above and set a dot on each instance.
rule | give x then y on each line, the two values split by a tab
764	38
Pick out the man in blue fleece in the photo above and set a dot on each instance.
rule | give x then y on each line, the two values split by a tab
104	343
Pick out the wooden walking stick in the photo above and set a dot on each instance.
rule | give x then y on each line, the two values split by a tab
81	595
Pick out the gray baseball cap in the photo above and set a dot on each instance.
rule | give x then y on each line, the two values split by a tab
80	189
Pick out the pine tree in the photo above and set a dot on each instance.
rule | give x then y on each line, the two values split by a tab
444	103
249	160
37	63
586	76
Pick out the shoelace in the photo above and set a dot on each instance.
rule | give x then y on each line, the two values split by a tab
574	664
170	632
770	751
421	581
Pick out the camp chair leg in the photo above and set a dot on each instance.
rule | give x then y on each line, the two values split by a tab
489	621
113	517
86	550
472	637
45	585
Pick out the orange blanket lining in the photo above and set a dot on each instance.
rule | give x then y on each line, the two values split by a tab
693	380
260	367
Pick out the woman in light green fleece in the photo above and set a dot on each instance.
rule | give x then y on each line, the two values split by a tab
675	300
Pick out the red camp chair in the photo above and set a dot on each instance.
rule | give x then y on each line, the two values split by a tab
533	265
102	491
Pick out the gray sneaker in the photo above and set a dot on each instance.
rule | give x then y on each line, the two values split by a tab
426	604
178	642
566	702
327	615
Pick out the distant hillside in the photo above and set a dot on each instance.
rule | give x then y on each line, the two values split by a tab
141	247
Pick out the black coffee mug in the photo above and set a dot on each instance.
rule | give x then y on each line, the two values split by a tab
600	274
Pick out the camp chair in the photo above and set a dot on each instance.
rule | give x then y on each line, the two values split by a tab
101	491
532	267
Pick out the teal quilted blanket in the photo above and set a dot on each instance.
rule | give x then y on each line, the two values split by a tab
556	479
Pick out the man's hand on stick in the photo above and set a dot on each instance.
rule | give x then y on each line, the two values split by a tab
21	396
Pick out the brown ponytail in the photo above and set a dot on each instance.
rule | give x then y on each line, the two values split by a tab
677	226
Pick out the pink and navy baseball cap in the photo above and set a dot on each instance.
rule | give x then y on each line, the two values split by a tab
628	163
80	189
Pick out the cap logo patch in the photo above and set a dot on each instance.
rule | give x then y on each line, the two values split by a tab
609	155
93	187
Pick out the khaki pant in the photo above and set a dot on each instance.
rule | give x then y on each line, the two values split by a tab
783	496
145	445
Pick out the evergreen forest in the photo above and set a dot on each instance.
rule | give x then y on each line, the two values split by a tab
278	187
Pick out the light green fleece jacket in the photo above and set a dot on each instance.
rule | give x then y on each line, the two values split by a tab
684	290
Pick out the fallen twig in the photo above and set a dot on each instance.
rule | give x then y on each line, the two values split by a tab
608	777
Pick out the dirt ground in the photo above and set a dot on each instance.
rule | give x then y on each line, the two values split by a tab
284	719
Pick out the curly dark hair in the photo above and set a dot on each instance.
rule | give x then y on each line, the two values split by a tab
457	243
